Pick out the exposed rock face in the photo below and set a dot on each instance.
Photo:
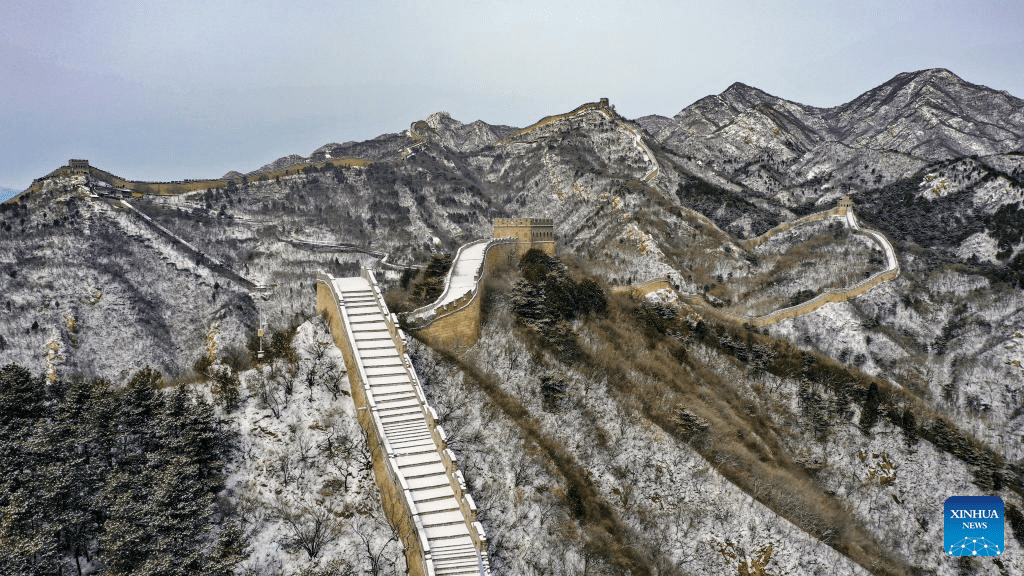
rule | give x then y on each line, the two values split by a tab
769	144
934	162
453	134
280	164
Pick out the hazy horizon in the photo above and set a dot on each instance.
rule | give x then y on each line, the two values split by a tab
174	90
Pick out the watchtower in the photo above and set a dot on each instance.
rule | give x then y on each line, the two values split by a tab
845	202
529	232
78	165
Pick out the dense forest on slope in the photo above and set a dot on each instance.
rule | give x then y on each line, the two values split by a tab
123	478
262	471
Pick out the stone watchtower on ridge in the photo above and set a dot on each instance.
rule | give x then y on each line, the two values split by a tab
530	232
76	165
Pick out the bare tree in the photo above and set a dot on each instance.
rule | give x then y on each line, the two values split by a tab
312	527
287	467
339	448
364	451
381	541
315	364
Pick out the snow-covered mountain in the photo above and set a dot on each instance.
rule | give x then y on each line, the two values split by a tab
797	433
776	147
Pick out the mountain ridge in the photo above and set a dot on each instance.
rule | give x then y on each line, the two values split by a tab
877	402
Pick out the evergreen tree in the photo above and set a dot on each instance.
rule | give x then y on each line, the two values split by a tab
141	404
126	542
869	413
75	473
26	544
124	477
230	551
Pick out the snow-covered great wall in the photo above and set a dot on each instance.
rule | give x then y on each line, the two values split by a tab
453	320
422	490
832	295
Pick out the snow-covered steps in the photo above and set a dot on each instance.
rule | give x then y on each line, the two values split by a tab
408	446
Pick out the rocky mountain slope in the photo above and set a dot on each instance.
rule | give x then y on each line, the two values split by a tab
99	280
776	147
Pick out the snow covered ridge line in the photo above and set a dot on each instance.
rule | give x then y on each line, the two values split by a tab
603	108
638	141
201	258
422	490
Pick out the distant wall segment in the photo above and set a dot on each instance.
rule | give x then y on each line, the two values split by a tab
844	209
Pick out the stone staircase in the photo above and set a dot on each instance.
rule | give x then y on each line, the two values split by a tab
421	467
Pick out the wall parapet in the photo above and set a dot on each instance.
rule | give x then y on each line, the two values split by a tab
455	322
397	493
426	315
456	325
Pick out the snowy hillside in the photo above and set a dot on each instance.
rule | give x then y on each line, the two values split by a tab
608	435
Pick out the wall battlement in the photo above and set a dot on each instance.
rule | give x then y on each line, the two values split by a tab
530	232
423	492
76	165
455	324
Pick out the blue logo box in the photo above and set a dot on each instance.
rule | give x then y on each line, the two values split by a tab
973	526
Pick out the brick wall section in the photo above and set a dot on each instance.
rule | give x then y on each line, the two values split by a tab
843	209
391	497
457	326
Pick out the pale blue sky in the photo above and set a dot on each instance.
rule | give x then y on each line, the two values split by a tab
188	88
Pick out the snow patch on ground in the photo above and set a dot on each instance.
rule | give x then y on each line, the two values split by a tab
935	186
842	329
981	245
664	296
995	193
302	457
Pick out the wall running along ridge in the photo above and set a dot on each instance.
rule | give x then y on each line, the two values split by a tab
844	209
605	110
422	490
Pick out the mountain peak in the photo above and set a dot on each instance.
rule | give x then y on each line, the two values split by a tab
441	118
743	95
936	74
739	88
